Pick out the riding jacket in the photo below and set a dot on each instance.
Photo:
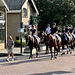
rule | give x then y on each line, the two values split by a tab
66	30
54	30
33	31
71	30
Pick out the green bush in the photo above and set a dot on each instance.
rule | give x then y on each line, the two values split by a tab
18	43
60	27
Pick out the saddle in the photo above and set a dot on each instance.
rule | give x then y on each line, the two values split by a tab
35	40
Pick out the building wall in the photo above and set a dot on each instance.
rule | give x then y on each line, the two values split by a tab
26	19
29	10
13	24
2	45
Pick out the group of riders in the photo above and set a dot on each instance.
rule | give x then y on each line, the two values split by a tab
54	31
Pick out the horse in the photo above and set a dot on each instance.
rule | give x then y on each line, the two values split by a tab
67	43
52	42
73	38
31	44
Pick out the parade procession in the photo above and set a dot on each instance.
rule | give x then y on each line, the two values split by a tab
52	37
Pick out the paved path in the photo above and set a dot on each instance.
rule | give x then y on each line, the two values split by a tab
64	65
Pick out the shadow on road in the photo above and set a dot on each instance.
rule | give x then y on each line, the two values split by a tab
54	72
23	59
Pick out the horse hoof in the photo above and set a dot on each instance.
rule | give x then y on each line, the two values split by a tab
70	52
51	58
55	57
30	57
63	53
36	55
47	53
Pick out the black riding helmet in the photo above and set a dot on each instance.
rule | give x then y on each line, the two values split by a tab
48	24
54	23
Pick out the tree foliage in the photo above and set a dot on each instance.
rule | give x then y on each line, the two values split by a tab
60	11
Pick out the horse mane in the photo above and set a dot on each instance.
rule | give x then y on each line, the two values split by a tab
52	37
30	38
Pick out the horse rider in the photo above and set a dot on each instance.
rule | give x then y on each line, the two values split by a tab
71	30
74	31
48	31
54	31
34	34
63	30
67	37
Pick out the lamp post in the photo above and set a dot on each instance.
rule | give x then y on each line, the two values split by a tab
21	25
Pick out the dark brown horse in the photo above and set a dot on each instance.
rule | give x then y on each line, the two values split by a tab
52	42
67	43
31	44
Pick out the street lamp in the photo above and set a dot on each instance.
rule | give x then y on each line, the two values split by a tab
21	25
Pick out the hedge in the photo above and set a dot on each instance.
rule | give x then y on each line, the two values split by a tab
18	43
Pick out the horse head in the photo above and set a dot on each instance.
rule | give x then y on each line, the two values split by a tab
43	39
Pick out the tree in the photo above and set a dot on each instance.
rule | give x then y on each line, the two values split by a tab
60	11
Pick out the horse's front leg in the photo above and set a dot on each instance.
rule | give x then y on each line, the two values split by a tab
67	48
51	53
63	49
71	49
36	52
31	56
55	55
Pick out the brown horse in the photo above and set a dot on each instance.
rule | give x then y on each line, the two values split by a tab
52	42
31	44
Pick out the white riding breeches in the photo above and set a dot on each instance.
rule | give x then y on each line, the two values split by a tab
57	37
36	38
67	36
73	35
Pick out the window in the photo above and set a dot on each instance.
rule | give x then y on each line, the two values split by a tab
0	13
2	32
24	12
